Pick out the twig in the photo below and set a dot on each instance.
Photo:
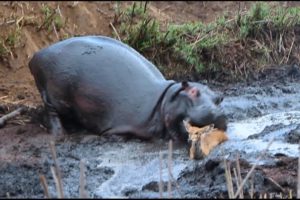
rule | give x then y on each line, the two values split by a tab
8	22
75	3
102	12
171	177
197	40
59	12
290	194
45	185
236	177
3	97
170	168
56	171
160	185
14	102
177	186
10	115
132	12
228	180
115	31
238	14
46	21
280	43
251	187
19	20
82	181
252	169
57	182
275	183
145	6
54	28
261	21
166	8
238	167
287	59
226	175
298	185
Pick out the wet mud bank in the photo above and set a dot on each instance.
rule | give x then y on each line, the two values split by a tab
259	111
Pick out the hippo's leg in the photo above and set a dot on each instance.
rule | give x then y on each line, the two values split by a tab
177	134
175	129
56	127
128	131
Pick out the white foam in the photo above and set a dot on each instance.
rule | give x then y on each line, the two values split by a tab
243	129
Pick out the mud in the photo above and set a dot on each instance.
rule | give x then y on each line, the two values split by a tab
118	167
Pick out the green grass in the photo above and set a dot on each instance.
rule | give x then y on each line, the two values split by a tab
50	16
233	47
10	41
3	50
141	34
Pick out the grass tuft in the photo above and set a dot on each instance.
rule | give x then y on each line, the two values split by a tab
51	16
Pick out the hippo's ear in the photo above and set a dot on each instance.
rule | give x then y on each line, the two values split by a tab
191	92
184	84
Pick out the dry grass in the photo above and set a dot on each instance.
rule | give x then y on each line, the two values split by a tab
240	183
298	180
56	172
160	186
10	115
82	181
44	185
171	179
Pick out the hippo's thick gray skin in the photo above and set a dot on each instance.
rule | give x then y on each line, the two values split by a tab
111	89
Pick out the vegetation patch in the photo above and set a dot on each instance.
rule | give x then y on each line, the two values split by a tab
231	49
10	39
52	19
11	36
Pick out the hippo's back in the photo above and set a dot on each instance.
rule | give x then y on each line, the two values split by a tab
102	78
102	52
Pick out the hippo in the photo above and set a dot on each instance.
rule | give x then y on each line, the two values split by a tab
110	88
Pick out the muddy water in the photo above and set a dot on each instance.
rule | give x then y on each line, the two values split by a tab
261	113
258	112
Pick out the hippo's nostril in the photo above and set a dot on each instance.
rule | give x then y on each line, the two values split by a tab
219	100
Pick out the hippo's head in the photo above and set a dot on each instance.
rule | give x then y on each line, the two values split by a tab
193	102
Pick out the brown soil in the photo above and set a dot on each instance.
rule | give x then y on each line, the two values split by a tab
24	142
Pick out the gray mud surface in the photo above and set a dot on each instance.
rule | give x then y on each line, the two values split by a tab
259	111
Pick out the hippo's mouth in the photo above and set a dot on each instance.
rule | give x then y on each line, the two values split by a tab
197	129
213	118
